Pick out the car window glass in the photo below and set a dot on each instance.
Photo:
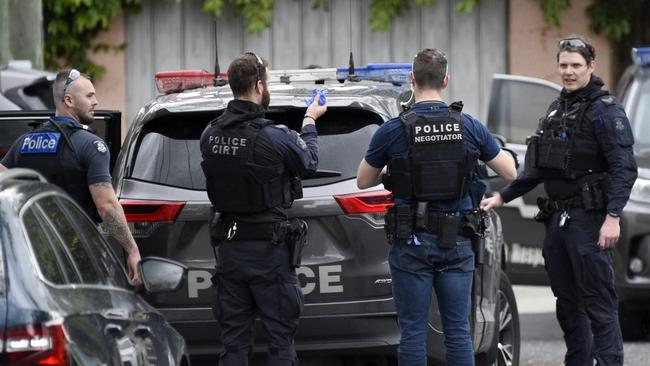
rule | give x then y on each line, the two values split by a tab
516	107
10	130
169	153
641	119
72	240
107	263
42	247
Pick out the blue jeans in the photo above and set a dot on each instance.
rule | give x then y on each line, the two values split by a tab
416	270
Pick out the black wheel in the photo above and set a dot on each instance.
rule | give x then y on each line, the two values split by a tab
508	318
635	324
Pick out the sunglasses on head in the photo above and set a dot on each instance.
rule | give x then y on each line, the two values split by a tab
72	76
259	65
574	43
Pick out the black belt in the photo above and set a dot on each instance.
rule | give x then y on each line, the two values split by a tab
564	205
240	231
435	221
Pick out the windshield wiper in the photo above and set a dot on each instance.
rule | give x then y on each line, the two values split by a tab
322	173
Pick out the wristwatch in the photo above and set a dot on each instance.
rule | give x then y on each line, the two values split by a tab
614	214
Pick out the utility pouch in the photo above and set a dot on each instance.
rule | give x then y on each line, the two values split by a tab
447	231
530	161
593	196
296	188
478	246
544	211
217	230
399	222
296	239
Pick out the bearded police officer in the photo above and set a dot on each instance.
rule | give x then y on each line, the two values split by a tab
431	153
252	167
582	152
68	154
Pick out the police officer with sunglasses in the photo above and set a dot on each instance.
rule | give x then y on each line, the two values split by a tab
68	154
582	152
252	168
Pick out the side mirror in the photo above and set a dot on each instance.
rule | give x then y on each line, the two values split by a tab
161	274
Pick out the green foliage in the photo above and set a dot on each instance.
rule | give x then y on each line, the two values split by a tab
382	12
553	9
71	25
257	14
610	18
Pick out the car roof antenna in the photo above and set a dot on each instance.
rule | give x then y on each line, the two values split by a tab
218	80
351	74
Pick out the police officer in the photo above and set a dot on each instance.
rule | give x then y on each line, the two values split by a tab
427	158
68	154
252	167
582	152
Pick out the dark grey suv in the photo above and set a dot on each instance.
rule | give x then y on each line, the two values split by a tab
345	275
65	298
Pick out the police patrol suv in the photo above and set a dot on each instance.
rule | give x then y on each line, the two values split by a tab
516	103
345	275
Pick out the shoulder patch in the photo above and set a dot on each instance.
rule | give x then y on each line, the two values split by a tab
40	143
608	99
100	146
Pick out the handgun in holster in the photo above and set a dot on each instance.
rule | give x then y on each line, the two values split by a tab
473	226
296	239
217	229
545	212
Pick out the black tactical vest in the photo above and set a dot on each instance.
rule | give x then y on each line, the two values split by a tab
68	174
565	145
235	183
438	165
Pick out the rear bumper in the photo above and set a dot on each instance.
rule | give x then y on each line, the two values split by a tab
372	332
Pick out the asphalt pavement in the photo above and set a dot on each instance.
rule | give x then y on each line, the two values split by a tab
541	337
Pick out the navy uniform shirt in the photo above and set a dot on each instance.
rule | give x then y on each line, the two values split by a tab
390	140
91	152
613	134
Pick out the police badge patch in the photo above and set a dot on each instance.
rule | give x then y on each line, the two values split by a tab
619	124
101	147
300	142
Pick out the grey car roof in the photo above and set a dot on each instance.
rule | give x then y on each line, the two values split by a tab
378	97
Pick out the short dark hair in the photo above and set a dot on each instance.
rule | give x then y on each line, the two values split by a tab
578	45
244	72
430	68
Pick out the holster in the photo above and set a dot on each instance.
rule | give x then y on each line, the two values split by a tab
293	233
545	211
217	230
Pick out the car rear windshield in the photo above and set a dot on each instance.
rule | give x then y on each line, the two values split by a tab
167	151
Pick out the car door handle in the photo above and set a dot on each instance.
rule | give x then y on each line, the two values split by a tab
142	331
113	330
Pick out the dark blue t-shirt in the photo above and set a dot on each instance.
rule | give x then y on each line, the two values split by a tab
390	140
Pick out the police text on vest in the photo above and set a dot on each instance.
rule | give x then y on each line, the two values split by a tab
222	145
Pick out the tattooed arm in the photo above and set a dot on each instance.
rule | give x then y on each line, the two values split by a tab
114	223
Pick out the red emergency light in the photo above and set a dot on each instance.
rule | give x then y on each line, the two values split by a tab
180	80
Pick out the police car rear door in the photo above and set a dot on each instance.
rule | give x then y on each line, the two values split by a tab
516	105
107	125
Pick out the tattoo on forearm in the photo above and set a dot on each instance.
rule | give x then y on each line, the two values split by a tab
114	224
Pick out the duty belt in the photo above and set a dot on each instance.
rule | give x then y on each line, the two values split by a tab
235	230
565	205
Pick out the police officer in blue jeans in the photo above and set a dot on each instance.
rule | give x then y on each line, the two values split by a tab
582	152
67	153
427	158
252	168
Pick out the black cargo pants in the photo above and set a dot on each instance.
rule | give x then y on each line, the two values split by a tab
254	279
582	279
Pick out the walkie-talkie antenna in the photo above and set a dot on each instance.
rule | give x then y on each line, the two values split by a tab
218	80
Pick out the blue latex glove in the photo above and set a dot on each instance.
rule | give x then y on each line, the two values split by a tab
321	97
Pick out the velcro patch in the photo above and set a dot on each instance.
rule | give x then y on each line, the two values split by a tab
41	143
437	132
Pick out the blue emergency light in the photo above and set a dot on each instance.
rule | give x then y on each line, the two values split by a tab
641	56
397	73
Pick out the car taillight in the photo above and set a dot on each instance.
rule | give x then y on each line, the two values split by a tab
35	344
151	211
367	202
